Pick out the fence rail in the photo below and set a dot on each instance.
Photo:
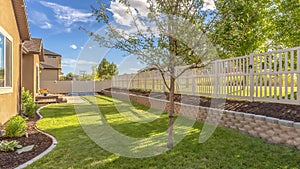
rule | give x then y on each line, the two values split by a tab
271	77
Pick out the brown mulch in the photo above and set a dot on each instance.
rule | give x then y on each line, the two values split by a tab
276	110
40	141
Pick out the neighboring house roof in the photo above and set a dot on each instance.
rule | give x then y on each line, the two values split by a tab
48	52
35	46
21	18
47	66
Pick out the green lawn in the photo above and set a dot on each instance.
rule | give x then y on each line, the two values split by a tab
225	149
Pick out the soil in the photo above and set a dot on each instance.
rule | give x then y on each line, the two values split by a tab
40	141
276	110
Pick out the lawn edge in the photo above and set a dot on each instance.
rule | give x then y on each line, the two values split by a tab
48	150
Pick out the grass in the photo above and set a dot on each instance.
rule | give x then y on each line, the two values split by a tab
225	149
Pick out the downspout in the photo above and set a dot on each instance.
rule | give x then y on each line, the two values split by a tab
20	78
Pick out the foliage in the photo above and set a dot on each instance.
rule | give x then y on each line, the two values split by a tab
16	126
106	70
9	145
285	17
69	76
242	27
227	148
29	106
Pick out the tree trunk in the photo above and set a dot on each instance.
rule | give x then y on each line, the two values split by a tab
171	112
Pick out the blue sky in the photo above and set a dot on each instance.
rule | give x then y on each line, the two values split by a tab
57	23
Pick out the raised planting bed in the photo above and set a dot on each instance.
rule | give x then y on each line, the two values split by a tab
276	110
40	141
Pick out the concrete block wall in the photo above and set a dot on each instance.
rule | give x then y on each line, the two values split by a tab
270	129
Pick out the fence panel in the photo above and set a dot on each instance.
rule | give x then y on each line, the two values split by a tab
270	77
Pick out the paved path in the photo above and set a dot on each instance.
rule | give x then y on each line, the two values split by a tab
74	99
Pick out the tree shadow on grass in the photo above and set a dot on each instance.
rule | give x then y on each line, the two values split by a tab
225	149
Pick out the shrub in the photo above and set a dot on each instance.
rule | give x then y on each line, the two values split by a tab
16	126
29	107
9	145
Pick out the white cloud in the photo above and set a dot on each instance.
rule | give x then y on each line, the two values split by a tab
67	15
73	46
208	5
68	30
39	19
46	25
121	14
72	63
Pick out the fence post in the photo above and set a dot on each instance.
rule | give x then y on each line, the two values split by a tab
216	81
193	82
251	67
298	75
152	74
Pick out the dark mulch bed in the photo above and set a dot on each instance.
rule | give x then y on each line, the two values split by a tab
281	111
40	141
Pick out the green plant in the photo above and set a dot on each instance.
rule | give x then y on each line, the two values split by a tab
9	145
29	107
16	126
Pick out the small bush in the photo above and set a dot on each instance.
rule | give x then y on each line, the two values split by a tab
16	126
9	145
29	107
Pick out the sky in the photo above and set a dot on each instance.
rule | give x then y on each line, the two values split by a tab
57	22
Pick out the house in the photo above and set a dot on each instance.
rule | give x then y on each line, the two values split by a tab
33	54
14	31
51	66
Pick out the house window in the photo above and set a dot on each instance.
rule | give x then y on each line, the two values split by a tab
5	62
51	57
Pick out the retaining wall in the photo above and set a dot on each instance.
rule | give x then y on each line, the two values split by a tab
269	129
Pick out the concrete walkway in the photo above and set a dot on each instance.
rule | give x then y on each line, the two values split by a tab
74	99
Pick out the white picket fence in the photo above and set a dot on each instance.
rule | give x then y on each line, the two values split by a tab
270	77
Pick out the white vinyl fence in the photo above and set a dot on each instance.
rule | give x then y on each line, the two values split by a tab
272	77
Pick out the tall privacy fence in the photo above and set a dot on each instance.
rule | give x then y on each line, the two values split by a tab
272	77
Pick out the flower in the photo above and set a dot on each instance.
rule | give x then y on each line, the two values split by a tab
44	91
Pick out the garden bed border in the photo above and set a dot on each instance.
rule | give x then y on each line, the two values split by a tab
49	149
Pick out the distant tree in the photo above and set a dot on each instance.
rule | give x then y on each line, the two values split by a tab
69	76
106	70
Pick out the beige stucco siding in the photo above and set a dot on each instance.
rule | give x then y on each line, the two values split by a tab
9	101
29	73
49	74
56	62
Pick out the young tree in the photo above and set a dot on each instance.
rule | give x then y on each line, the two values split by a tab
106	70
163	34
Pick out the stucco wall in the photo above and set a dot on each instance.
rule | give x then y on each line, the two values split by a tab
267	128
29	72
53	61
49	74
9	101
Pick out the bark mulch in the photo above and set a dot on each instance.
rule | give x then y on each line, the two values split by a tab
276	110
40	141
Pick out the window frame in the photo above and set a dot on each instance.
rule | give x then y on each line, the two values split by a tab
6	90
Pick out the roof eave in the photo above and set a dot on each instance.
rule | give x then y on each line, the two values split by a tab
21	18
